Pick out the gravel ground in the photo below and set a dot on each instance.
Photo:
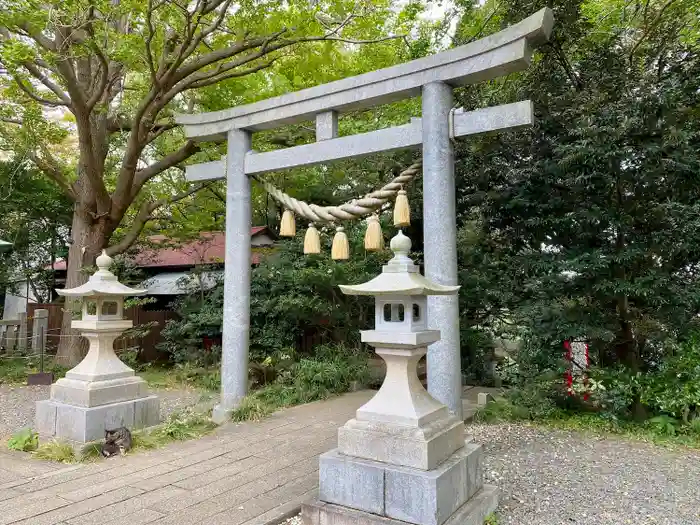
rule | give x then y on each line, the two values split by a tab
553	477
17	404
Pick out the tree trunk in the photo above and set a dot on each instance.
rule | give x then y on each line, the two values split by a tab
89	238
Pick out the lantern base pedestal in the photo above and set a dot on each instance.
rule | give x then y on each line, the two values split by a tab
79	424
452	493
421	448
97	393
473	512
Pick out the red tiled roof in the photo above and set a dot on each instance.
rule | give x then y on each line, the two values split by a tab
209	248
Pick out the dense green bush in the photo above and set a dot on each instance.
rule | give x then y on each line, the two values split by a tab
668	392
334	369
25	440
294	298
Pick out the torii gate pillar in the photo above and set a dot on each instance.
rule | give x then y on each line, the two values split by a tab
440	245
434	78
236	322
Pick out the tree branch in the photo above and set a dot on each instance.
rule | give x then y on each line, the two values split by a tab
650	27
176	157
149	39
103	84
30	93
218	55
213	79
39	75
145	214
197	39
118	123
51	169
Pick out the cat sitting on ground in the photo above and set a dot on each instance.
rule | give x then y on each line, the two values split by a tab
117	441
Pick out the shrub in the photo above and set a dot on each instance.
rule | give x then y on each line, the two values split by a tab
56	451
252	408
180	426
292	299
334	370
674	387
26	440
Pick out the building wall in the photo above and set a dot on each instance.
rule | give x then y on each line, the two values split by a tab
16	304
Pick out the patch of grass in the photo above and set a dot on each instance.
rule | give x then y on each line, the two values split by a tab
55	451
91	452
14	370
181	426
207	379
144	440
311	379
660	430
253	409
492	519
26	440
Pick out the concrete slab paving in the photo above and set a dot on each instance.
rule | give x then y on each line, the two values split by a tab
243	473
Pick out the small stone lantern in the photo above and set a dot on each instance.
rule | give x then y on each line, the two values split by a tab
101	392
404	457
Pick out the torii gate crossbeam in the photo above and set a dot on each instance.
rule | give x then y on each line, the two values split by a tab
432	77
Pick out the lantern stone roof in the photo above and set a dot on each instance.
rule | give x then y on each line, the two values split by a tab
400	276
102	282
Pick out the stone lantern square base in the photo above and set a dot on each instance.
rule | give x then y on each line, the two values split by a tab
473	512
453	492
79	424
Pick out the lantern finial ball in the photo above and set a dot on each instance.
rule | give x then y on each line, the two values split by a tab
103	261
400	244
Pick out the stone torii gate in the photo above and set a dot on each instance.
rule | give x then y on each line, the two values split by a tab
434	78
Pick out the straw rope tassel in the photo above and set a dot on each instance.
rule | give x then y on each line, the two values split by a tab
402	212
312	242
340	251
374	240
288	227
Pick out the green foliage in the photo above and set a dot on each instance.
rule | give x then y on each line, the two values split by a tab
333	370
292	298
492	519
586	225
35	216
181	426
26	440
663	430
674	387
91	452
664	425
14	370
55	451
253	408
182	376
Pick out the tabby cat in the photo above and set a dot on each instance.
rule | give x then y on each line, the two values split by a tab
116	441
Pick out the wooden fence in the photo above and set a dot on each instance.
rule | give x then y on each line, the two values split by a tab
138	315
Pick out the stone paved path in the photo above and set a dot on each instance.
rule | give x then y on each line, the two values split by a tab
242	474
252	473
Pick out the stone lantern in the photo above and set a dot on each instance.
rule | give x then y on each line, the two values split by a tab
404	457
101	392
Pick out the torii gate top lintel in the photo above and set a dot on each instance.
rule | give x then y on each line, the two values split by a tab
504	52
